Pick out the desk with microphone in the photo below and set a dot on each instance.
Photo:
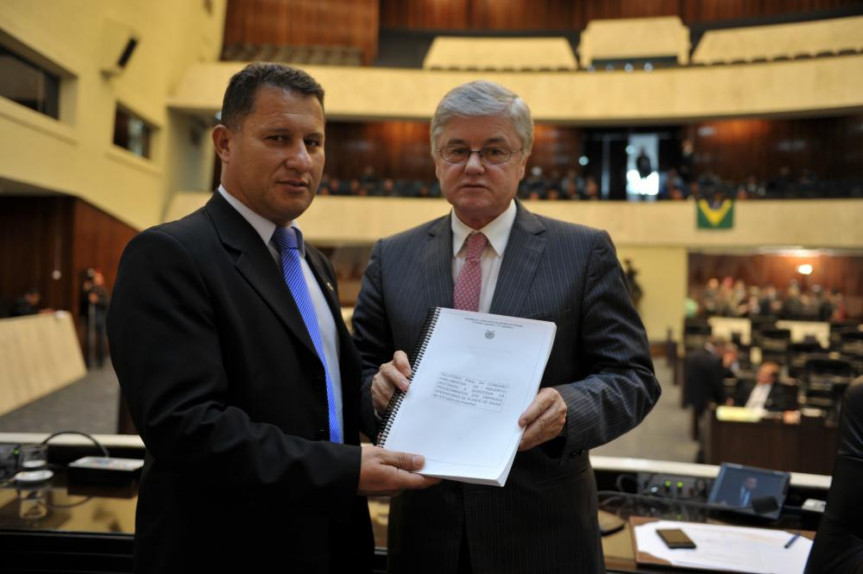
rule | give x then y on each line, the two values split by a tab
738	522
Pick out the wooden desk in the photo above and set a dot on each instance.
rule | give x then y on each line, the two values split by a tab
619	550
92	529
806	447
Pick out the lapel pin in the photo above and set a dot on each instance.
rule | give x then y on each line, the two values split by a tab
330	286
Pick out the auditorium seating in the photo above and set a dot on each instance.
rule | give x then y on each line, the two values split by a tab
780	42
500	54
646	38
825	381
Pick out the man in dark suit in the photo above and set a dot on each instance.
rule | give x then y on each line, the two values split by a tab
838	547
493	255
766	392
703	373
239	373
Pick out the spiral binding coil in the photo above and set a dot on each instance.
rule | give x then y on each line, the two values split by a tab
398	396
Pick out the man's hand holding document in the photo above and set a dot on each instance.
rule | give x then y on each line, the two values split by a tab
472	394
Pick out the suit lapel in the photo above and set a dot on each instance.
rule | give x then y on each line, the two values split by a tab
329	291
436	264
326	285
521	259
256	264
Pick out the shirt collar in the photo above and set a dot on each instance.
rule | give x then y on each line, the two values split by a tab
262	226
497	231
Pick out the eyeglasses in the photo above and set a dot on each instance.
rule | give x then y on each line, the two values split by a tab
459	154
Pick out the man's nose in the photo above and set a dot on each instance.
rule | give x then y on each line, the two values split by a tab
474	162
298	157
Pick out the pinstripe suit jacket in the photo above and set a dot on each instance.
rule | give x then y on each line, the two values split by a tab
544	519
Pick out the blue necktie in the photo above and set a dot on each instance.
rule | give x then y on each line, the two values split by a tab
287	242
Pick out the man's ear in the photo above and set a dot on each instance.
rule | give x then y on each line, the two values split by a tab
523	167
222	141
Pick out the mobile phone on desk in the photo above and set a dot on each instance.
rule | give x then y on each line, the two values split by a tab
675	538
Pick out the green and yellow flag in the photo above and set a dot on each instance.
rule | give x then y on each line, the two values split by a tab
714	217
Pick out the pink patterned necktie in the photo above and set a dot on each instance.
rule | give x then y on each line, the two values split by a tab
465	295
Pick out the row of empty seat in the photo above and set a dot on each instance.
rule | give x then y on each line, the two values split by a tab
839	36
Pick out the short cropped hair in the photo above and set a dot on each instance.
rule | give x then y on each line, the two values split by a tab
484	98
239	99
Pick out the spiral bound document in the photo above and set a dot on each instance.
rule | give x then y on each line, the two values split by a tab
474	374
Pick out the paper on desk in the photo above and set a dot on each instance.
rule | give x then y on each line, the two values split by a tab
727	548
738	414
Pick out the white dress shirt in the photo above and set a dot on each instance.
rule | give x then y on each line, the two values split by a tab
497	233
327	325
758	397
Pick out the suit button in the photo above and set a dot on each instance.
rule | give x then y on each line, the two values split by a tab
322	434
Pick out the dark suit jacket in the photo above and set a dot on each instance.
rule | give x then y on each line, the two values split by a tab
702	375
544	519
782	396
838	547
229	396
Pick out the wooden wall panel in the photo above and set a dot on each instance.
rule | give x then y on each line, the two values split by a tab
842	272
304	23
832	148
34	242
394	149
98	241
717	10
612	9
401	150
39	235
479	15
555	149
425	14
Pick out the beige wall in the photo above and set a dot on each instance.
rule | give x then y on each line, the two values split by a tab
680	94
662	274
656	236
828	223
174	82
76	155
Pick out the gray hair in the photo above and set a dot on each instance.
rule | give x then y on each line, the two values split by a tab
484	98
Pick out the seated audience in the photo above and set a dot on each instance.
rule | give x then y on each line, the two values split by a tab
28	304
766	392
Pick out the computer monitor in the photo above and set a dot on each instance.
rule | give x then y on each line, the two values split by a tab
749	490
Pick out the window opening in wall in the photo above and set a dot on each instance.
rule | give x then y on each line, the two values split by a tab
132	133
29	84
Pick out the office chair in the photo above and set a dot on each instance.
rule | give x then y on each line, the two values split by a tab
851	341
838	547
825	382
798	354
696	333
774	345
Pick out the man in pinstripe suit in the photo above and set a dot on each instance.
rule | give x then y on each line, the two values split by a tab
598	383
